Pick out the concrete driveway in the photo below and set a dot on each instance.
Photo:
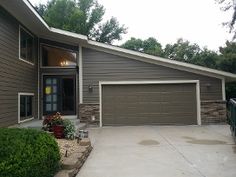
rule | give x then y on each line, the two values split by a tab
161	151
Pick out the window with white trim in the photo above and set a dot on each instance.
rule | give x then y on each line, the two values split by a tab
26	106
26	46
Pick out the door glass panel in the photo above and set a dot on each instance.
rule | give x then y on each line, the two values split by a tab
48	81
48	98
54	81
54	98
54	107
51	95
48	107
54	89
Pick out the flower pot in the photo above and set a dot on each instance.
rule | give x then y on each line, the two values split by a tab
58	131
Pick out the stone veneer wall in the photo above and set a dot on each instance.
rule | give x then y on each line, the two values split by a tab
87	111
213	111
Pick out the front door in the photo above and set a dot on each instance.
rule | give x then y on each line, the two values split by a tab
59	95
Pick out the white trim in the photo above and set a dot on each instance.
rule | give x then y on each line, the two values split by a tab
80	75
199	119
19	94
100	103
68	33
223	89
19	38
101	83
36	13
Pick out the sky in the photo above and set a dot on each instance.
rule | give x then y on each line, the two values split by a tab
199	21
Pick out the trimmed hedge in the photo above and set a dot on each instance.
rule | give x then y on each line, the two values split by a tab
27	153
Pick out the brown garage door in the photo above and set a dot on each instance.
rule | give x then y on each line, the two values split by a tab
149	104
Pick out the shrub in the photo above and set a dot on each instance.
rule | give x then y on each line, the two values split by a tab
69	130
27	153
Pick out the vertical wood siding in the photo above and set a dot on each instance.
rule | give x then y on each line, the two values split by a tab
15	75
101	66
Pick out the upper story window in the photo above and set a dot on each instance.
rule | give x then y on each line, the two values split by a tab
26	46
57	57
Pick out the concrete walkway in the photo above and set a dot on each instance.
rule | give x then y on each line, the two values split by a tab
161	151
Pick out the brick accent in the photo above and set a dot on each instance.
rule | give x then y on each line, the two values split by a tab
213	111
87	112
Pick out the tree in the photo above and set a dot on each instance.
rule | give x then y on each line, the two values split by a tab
182	50
228	57
150	46
227	5
207	58
83	17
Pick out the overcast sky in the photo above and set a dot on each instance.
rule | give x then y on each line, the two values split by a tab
199	21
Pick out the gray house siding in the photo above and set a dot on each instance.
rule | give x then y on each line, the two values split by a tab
101	66
15	75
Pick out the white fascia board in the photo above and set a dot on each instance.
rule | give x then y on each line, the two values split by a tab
189	67
147	82
36	13
68	33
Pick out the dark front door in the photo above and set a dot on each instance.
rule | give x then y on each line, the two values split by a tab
59	95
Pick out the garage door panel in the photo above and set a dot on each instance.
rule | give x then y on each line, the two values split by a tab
149	104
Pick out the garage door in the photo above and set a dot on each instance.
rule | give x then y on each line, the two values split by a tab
146	104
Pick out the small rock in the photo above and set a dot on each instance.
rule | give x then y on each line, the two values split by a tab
85	142
64	173
73	161
81	149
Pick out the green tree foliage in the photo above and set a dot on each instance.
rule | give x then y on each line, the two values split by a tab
207	58
83	17
228	57
228	63
182	50
150	46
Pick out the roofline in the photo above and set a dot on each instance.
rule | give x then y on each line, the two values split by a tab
182	65
31	7
163	60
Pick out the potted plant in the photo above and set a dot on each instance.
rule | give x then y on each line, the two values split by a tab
54	123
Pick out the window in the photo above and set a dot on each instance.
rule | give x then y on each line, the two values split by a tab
26	46
57	57
25	106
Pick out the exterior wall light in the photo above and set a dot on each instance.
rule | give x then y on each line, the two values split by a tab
90	88
208	85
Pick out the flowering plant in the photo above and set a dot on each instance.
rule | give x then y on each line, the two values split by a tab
52	120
